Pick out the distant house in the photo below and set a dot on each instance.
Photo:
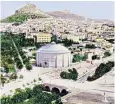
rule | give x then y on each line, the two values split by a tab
75	38
43	37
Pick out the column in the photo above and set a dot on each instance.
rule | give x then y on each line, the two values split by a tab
63	61
56	61
68	60
37	59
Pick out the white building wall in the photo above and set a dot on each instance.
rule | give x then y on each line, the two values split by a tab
55	60
59	60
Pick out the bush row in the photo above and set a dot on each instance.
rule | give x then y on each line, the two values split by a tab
101	70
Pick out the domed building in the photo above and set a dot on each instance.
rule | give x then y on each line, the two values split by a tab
53	55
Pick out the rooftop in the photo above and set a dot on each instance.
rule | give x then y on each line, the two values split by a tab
53	48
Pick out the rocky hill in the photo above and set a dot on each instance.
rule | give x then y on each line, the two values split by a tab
31	11
66	15
26	12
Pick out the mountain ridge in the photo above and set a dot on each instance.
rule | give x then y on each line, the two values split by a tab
31	11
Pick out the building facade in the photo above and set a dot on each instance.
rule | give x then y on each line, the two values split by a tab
43	37
53	55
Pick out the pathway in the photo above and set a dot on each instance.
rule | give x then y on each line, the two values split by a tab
17	52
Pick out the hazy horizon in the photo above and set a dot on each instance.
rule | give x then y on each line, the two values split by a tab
90	9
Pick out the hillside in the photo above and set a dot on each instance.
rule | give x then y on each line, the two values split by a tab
26	12
16	18
31	11
66	15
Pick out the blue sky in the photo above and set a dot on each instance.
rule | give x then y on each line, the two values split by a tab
91	9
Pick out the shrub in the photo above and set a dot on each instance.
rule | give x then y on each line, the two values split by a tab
21	77
34	80
28	66
25	60
94	57
6	69
13	76
19	65
16	59
24	57
37	89
91	46
71	74
18	90
106	54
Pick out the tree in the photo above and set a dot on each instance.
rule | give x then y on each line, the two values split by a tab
94	57
19	65
84	39
106	54
21	77
54	38
17	59
63	74
11	68
37	89
3	80
13	76
32	96
6	69
71	74
28	66
90	46
6	100
28	92
9	60
67	42
85	57
76	58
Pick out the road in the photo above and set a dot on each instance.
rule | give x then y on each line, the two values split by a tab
83	78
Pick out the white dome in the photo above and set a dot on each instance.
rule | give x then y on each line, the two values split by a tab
53	48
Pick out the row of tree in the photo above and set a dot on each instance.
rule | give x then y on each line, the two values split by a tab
19	43
90	46
101	70
18	62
